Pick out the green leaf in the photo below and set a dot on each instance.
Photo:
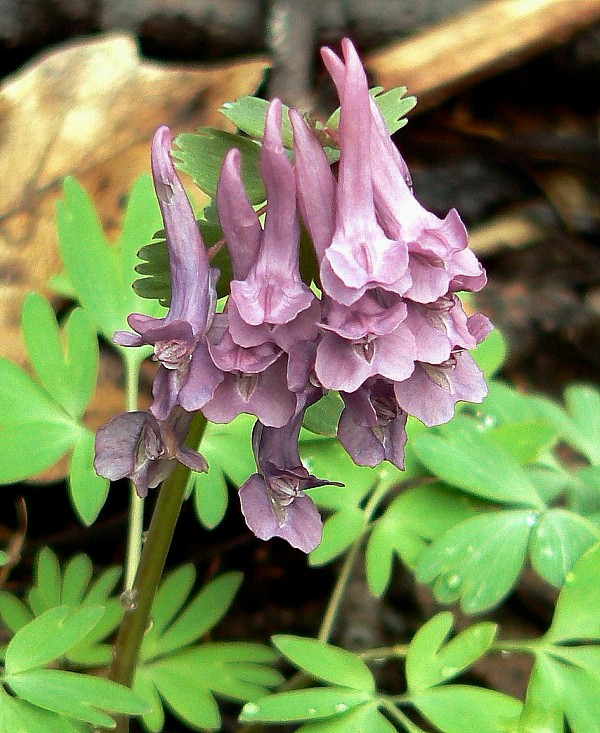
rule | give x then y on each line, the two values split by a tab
468	459
144	688
32	447
200	155
211	497
558	689
479	560
503	405
339	532
102	275
542	710
187	679
248	114
169	599
299	705
465	709
78	696
49	637
577	612
228	450
525	441
68	377
199	710
23	399
235	671
46	591
325	457
491	354
203	612
408	526
558	540
76	578
325	662
431	661
394	106
362	719
18	716
579	425
323	417
88	491
13	612
103	586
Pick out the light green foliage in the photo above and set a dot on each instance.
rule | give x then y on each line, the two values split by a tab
326	663
565	680
101	274
176	670
431	660
63	695
41	420
71	587
201	154
349	703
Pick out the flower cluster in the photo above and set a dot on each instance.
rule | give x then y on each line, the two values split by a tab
388	330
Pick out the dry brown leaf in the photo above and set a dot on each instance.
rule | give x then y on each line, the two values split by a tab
479	43
88	109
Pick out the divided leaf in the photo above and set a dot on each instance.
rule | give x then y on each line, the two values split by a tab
79	696
431	661
479	560
407	527
49	637
466	458
325	662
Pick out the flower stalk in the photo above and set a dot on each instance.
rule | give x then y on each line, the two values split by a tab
138	600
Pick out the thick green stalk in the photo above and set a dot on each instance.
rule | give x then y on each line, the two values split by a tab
138	600
136	504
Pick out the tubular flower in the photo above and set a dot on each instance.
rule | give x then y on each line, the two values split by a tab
273	500
138	446
186	376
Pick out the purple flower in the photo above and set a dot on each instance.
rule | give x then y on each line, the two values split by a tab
138	446
372	425
187	375
361	255
273	500
367	339
271	291
432	391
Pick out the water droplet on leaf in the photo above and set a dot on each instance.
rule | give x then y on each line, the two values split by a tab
341	707
453	581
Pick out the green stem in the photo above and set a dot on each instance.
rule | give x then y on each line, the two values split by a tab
385	652
335	602
400	717
152	562
525	646
136	504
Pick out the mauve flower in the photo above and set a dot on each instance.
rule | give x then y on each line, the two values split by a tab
272	291
273	500
187	375
138	446
432	390
354	252
438	258
372	425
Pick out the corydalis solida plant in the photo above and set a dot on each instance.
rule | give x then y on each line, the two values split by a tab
388	332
